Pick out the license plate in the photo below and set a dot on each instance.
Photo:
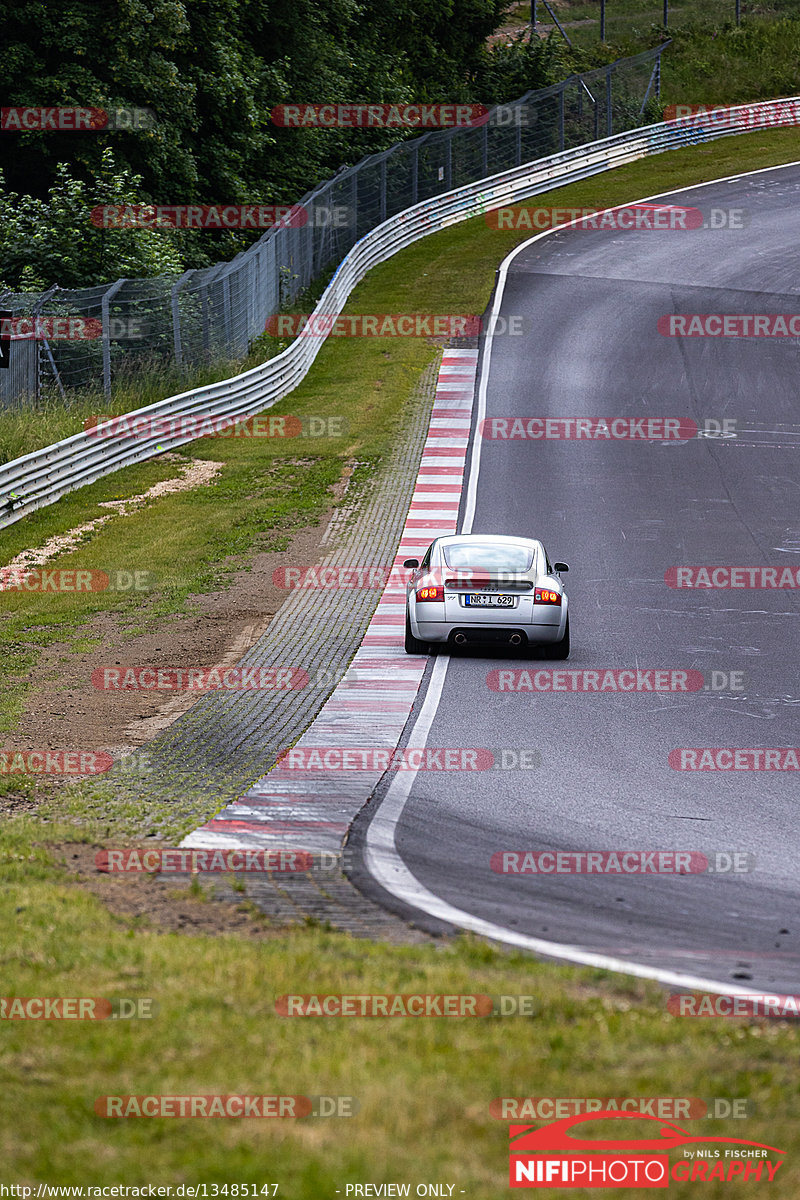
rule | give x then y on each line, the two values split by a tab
482	601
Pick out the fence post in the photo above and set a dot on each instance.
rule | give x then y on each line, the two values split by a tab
105	307
226	309
176	317
261	277
609	112
382	209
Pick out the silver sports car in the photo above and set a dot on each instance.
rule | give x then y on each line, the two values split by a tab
486	588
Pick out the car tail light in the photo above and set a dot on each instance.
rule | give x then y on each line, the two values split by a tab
545	596
430	593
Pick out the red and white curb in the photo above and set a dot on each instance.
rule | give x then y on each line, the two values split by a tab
311	810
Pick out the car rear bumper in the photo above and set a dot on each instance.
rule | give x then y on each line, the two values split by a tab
446	631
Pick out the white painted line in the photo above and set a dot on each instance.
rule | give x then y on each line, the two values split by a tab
382	857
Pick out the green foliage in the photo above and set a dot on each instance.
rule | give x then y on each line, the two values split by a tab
49	241
512	68
212	72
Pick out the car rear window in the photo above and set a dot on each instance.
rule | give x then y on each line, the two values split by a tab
488	557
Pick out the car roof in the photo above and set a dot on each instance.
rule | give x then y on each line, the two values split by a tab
483	539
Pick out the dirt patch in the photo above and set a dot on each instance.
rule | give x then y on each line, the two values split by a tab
17	804
196	473
64	711
161	902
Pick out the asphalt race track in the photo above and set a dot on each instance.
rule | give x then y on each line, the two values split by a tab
621	513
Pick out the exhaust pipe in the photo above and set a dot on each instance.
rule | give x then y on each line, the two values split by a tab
460	639
515	639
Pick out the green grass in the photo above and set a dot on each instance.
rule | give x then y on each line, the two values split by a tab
711	60
193	540
25	427
424	1086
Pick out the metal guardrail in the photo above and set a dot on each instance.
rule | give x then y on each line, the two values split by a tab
214	313
42	477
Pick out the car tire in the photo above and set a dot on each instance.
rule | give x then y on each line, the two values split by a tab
414	645
560	650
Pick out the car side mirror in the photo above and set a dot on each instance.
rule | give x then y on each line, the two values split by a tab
411	562
560	567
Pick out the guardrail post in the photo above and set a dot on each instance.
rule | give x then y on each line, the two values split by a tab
105	309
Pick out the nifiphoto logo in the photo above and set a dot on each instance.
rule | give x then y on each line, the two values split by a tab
553	1156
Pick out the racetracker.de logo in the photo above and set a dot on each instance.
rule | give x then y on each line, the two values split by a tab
627	217
199	216
74	120
784	112
371	758
552	1157
379	116
608	680
203	1106
26	579
74	1008
220	425
620	862
568	429
755	1004
377	325
51	329
409	1005
332	578
769	325
54	762
200	679
734	758
732	577
138	861
665	1108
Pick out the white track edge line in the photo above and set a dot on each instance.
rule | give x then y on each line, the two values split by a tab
382	857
